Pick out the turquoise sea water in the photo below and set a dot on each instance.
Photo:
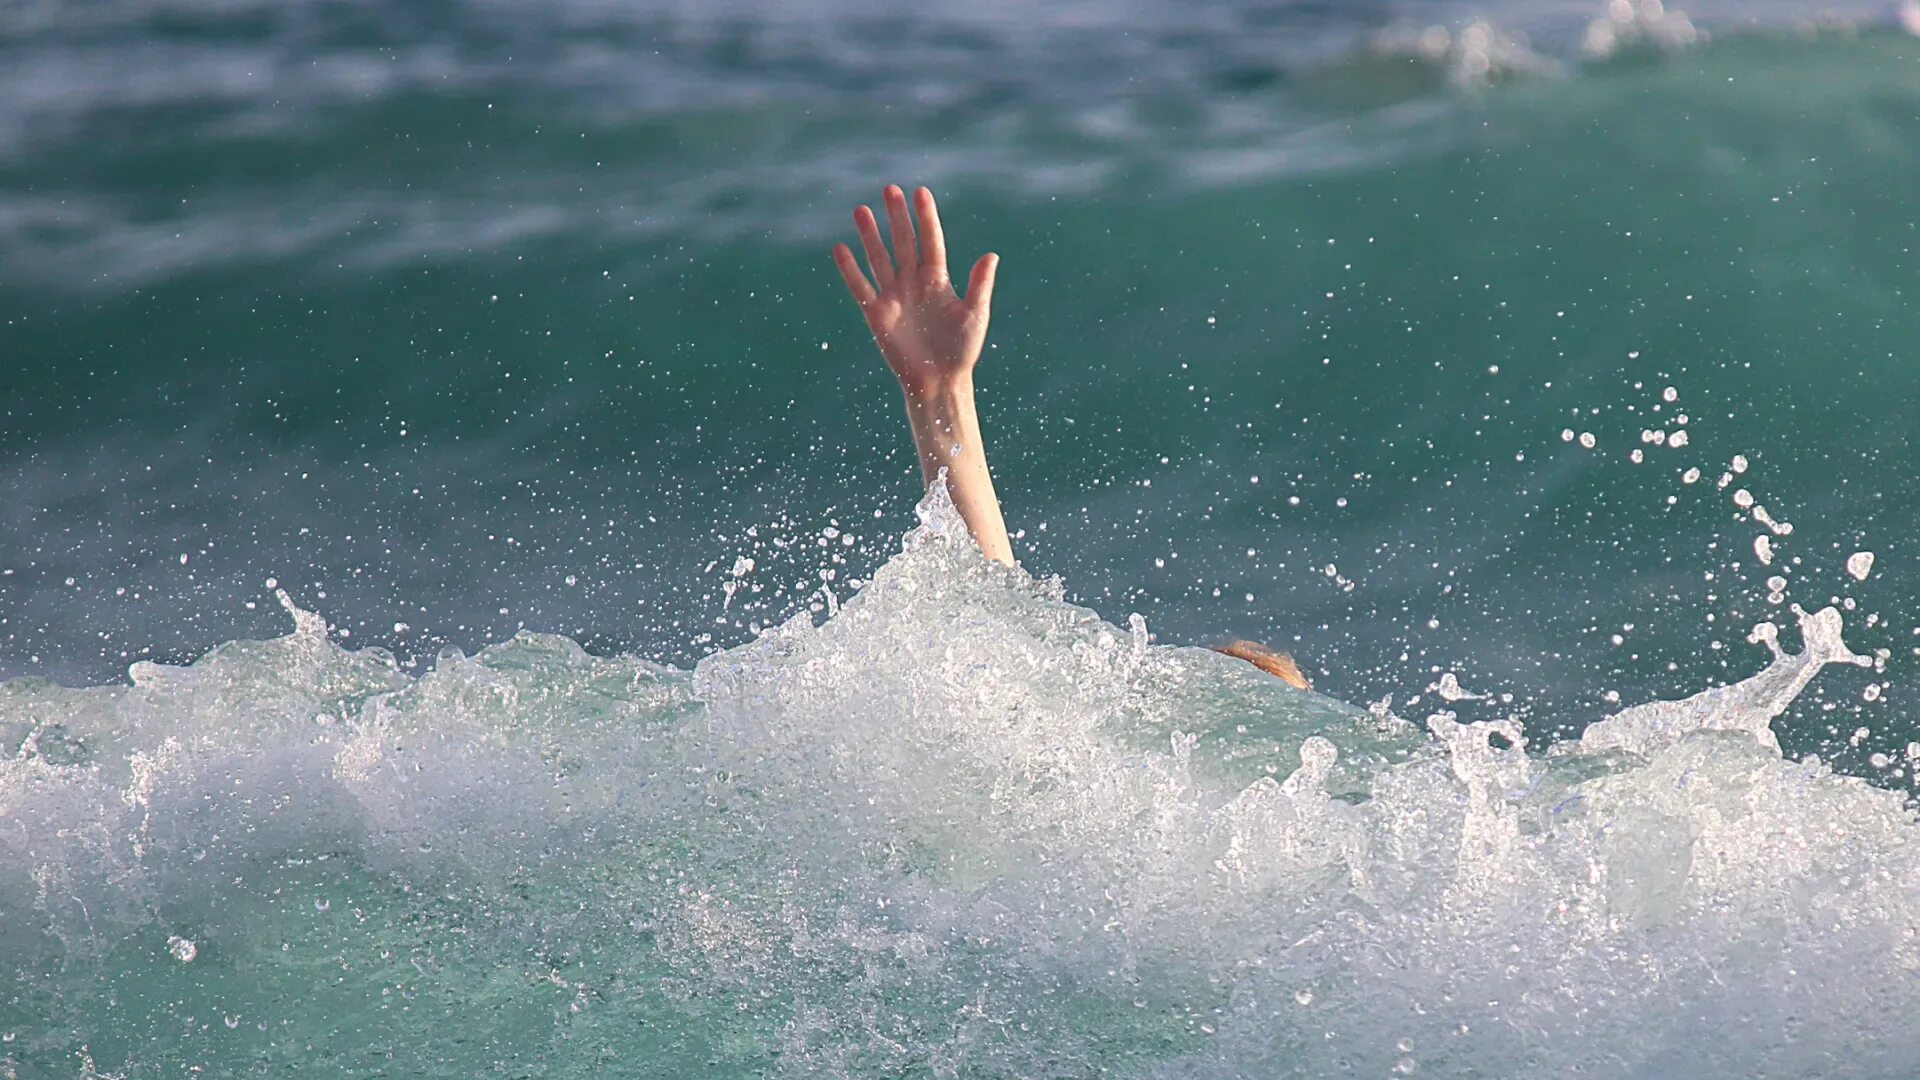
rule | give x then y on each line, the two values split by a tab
457	322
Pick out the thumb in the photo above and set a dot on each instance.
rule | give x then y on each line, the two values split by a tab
980	283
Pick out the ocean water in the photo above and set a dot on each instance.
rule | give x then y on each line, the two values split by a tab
1539	374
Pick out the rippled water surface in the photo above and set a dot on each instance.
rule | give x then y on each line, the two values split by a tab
1517	367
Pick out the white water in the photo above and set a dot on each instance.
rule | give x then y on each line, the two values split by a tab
961	828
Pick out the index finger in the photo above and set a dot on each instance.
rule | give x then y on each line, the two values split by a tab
857	283
933	244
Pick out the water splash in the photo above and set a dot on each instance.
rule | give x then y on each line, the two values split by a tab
1748	707
960	827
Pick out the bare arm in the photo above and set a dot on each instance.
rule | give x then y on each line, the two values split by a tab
931	340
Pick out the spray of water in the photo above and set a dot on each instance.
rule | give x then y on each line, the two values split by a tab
958	828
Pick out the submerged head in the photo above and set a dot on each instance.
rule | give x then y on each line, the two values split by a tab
1277	664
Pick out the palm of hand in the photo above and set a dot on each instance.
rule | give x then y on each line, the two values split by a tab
925	331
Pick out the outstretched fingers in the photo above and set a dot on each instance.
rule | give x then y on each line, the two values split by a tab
933	244
909	253
877	258
857	283
980	284
906	255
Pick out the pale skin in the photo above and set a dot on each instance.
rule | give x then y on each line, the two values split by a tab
931	339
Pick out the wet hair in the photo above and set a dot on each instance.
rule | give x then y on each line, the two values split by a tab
1277	664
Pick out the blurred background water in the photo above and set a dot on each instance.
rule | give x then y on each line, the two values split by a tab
454	318
1538	348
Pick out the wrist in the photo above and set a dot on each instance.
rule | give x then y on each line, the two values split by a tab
934	389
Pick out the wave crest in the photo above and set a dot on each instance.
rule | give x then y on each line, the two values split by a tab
959	826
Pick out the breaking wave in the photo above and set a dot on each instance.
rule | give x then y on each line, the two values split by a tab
958	828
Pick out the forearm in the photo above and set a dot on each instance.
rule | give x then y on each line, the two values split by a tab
931	339
946	431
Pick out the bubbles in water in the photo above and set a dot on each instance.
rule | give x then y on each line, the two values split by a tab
1471	56
1449	689
958	805
1860	564
1639	23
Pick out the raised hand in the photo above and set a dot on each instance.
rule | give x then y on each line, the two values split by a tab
929	336
931	339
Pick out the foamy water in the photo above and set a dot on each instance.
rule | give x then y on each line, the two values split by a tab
958	828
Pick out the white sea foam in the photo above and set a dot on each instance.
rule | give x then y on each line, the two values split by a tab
959	828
